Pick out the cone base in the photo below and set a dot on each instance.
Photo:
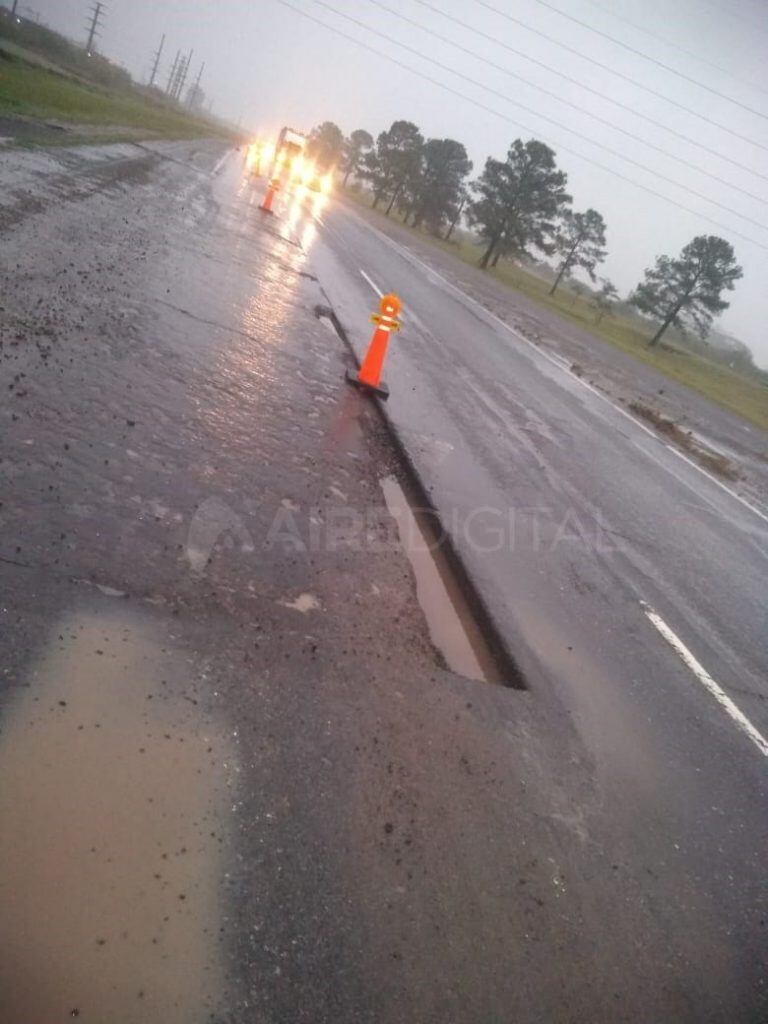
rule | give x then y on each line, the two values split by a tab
381	390
265	210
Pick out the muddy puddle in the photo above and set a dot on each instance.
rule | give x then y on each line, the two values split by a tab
452	626
112	801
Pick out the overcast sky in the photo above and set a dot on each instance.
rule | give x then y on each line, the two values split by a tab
272	66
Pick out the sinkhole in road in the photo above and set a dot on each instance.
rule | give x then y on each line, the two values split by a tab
459	622
113	799
452	626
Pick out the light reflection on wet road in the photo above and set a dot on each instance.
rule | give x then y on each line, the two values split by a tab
170	391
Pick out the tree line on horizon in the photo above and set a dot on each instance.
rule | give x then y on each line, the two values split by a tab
519	208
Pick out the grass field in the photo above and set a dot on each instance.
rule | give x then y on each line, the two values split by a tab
741	393
34	91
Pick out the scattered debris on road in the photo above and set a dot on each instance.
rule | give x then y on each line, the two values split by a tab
714	461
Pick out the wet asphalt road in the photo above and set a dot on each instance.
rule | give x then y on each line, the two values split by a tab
563	504
575	522
373	837
177	450
618	374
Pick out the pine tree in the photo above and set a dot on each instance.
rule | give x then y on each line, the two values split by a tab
358	143
519	200
580	241
326	144
436	192
687	291
396	159
605	299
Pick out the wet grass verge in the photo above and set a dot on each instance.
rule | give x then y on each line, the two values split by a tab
97	114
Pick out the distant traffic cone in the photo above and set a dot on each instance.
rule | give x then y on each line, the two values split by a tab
369	377
272	187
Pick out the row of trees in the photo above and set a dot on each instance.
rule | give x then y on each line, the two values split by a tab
519	208
424	179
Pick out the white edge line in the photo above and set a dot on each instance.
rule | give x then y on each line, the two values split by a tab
380	293
707	681
373	284
564	367
558	361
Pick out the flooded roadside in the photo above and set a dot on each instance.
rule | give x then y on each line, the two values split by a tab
113	798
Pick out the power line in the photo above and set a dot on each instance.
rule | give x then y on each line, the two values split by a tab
568	103
732	14
676	46
505	117
645	56
588	88
545	117
620	74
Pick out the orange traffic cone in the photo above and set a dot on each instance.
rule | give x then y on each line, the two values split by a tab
272	187
369	377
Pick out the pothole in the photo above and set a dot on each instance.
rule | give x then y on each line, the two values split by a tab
459	624
327	316
452	625
327	323
112	797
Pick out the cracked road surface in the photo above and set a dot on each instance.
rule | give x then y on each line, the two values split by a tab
237	781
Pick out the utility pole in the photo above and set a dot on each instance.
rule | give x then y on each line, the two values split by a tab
13	8
193	89
157	61
97	10
183	77
172	72
177	78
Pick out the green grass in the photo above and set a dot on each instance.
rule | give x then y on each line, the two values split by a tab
36	92
48	47
741	393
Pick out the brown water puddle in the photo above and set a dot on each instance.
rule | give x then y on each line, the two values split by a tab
112	792
452	626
